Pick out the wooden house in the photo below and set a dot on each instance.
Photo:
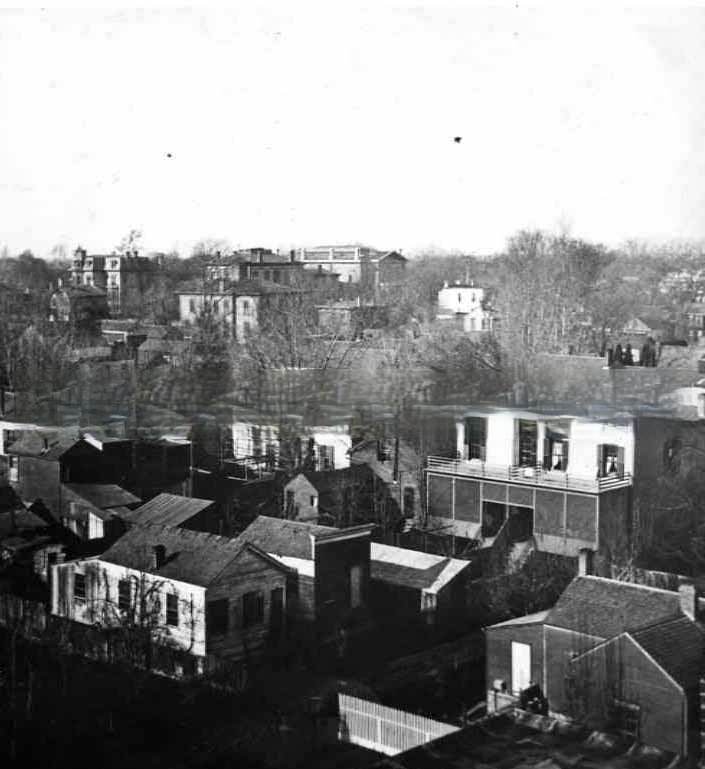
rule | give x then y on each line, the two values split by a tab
331	568
200	593
622	656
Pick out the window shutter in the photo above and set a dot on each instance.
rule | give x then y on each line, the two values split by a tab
620	461
600	454
546	454
566	445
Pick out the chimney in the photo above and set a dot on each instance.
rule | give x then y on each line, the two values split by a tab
158	556
688	598
585	562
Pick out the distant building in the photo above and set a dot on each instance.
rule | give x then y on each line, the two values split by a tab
243	307
465	304
129	280
627	657
81	306
350	319
356	264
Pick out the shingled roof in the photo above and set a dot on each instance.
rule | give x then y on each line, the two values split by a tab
168	510
605	607
282	537
411	568
677	645
104	496
190	556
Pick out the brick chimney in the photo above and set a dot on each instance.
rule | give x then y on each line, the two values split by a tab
688	598
158	556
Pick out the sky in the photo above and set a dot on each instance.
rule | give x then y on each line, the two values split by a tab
299	124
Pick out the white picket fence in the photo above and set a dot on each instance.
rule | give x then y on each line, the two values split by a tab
386	730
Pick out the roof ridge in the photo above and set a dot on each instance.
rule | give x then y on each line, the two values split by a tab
628	584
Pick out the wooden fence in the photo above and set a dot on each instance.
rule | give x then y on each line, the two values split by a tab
386	730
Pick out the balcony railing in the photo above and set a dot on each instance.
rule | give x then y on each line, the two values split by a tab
534	476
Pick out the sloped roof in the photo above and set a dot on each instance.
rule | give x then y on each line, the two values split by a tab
606	607
283	537
190	556
167	510
45	445
103	495
536	618
677	645
18	520
412	568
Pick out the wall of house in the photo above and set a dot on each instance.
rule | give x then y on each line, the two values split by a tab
561	646
248	573
584	438
101	602
622	670
303	492
615	526
498	664
333	563
39	479
459	298
339	439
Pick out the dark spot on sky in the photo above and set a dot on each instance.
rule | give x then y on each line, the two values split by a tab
168	154
457	139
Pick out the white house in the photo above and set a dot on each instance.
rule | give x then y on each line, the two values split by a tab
464	303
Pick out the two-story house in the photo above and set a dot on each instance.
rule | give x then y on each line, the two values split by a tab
330	583
465	304
567	478
201	594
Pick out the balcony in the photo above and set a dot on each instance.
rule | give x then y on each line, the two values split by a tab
533	476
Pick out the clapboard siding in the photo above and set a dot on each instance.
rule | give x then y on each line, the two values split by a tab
248	573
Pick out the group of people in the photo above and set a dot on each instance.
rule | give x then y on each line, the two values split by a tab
625	356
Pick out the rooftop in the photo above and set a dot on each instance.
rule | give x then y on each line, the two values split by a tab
104	496
282	537
190	556
604	608
167	510
410	568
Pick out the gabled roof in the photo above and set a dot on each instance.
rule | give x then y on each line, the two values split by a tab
678	646
104	496
42	444
19	520
283	537
168	510
411	568
606	607
190	556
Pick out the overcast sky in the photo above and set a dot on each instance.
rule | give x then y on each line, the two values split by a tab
305	124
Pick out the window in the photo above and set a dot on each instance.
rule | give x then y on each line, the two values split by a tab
521	667
476	437
217	616
671	455
276	614
325	458
79	586
626	717
610	460
267	275
355	586
460	298
314	501
14	469
192	306
252	609
277	276
124	595
409	501
245	305
526	444
555	452
289	505
172	609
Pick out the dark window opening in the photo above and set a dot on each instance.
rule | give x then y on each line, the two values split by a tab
217	616
172	609
476	437
625	717
671	455
527	440
555	451
252	609
124	591
79	586
289	503
325	457
493	516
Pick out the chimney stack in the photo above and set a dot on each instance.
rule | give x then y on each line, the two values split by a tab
585	562
688	599
158	556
